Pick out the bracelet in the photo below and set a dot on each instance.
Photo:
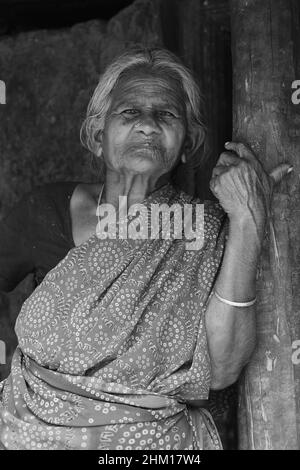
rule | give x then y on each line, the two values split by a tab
234	304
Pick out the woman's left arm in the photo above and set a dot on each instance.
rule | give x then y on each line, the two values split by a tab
244	191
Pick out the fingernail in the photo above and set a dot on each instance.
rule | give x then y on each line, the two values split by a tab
290	169
226	143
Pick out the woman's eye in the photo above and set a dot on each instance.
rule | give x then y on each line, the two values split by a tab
165	114
130	111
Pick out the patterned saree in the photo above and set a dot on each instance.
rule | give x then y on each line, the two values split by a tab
112	345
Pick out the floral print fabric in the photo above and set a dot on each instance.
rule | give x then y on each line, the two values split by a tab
112	344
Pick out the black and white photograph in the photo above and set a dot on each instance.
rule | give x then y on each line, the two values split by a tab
149	229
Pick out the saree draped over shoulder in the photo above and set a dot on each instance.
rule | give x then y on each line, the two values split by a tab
112	345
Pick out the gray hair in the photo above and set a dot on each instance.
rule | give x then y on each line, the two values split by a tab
156	60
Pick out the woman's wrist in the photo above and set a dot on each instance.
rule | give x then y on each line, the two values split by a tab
247	230
244	245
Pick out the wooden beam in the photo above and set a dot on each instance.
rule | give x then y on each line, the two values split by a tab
265	50
204	32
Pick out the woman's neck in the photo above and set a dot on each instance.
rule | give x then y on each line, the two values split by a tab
135	186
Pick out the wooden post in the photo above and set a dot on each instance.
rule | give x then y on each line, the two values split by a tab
204	32
266	62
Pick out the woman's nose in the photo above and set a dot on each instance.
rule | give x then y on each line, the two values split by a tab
147	124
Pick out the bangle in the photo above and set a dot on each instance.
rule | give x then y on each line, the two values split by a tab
235	304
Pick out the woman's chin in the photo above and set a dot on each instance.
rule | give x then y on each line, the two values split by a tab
143	164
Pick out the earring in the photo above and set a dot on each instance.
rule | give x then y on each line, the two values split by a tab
183	158
99	152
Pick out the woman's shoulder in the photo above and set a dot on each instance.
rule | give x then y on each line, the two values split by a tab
85	194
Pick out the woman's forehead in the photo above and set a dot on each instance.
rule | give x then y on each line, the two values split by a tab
142	84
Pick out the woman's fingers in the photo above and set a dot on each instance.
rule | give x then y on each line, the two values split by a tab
218	170
241	184
227	158
237	193
242	150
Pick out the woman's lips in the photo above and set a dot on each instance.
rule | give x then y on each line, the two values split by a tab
144	142
146	148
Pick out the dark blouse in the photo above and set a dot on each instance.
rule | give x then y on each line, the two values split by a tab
36	234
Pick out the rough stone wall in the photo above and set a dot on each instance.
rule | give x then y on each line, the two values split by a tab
49	77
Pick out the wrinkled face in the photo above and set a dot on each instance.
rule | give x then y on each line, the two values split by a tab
145	125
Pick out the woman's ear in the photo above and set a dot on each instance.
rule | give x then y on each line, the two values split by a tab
98	143
98	136
99	152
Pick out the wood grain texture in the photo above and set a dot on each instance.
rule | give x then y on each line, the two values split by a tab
265	49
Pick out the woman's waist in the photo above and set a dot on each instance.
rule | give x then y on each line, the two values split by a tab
41	383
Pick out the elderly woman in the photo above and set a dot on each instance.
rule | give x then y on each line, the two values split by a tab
121	341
